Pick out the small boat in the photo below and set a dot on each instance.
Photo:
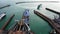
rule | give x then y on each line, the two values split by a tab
57	20
3	14
39	6
53	31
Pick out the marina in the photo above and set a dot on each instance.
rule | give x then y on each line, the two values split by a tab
29	17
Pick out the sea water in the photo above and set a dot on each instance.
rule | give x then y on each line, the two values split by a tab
37	24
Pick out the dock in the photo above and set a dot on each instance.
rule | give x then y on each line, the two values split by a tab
50	21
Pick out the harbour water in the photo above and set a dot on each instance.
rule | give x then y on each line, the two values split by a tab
37	24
